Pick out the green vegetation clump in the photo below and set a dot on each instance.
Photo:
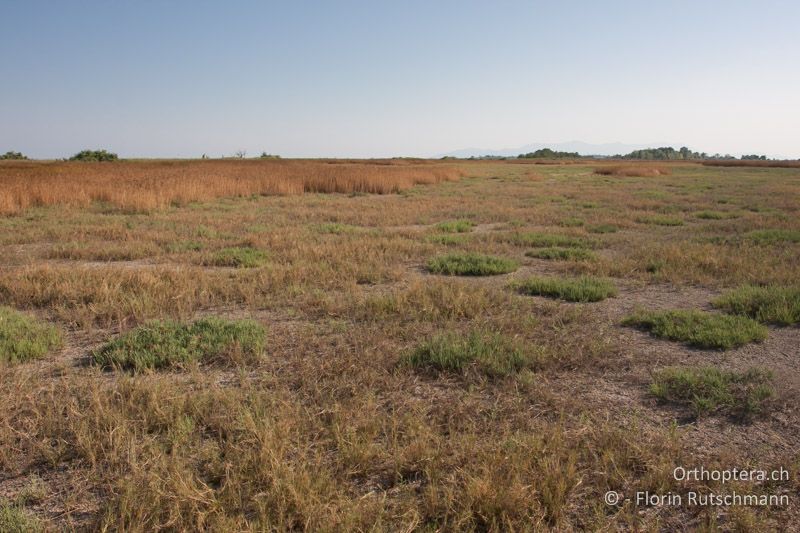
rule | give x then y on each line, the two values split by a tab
165	344
714	215
563	254
661	220
471	265
773	236
772	304
23	338
490	354
94	155
603	228
699	328
13	156
666	153
265	155
537	239
572	222
14	519
582	289
448	240
709	389
238	257
456	226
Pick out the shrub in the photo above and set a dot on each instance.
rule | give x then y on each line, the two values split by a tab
455	226
94	155
564	254
772	304
490	354
709	389
23	338
238	257
698	328
714	215
773	236
582	289
603	228
164	344
660	220
471	265
538	239
16	156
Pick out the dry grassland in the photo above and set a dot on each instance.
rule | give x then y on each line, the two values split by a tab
382	396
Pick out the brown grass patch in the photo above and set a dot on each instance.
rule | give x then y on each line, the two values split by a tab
140	185
633	171
753	163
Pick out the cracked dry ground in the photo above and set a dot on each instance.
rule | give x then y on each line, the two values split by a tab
332	430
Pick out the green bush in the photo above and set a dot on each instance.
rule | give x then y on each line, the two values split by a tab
456	226
94	155
23	338
489	354
772	304
471	265
582	289
238	257
773	236
709	389
564	254
715	215
699	328
164	344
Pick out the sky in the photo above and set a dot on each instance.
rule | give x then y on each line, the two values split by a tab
412	78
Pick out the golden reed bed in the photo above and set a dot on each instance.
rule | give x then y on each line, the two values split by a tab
144	185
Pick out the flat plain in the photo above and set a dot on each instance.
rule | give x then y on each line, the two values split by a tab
454	346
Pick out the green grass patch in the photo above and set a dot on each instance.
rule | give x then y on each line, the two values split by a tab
14	519
582	289
471	265
603	228
699	328
715	215
165	344
772	304
710	389
23	338
773	236
572	222
562	254
490	354
660	220
456	226
238	257
537	239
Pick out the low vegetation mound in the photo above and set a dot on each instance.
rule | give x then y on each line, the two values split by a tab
456	226
771	304
715	215
602	228
165	344
773	236
489	354
582	289
539	239
147	185
563	254
238	258
471	265
709	389
699	328
660	220
23	338
640	171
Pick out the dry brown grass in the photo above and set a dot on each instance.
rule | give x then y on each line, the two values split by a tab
640	171
139	186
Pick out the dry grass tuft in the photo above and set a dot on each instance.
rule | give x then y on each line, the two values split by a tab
142	186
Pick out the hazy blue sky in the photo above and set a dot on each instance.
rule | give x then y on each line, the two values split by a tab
373	78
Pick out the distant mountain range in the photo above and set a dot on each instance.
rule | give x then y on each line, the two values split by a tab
581	147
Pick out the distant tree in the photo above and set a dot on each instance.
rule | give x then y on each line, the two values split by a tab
754	157
13	155
665	153
547	153
265	155
94	155
240	154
